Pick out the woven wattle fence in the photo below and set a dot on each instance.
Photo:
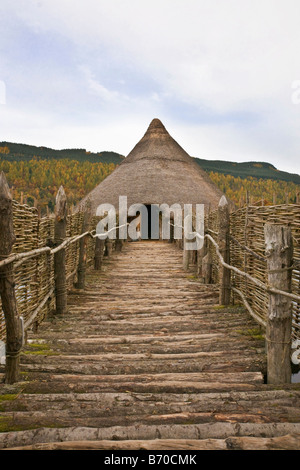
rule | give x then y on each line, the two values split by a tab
34	277
247	227
247	252
212	226
27	277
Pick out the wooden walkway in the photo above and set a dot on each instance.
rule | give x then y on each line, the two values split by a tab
146	359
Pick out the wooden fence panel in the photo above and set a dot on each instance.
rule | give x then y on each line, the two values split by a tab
247	228
34	277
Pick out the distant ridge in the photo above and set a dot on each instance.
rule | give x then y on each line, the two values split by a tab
246	169
19	152
256	169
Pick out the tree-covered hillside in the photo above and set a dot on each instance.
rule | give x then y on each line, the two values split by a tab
248	169
35	174
267	190
38	180
20	152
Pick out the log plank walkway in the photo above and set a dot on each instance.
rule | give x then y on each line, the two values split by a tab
146	359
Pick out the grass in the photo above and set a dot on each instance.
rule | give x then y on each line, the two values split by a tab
6	398
6	424
254	333
37	349
193	278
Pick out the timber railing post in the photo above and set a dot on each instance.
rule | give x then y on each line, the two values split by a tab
279	253
186	255
171	239
205	258
82	262
119	242
224	248
60	256
207	264
200	256
99	252
187	227
14	340
109	247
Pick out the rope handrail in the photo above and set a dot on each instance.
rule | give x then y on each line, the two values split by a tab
34	253
252	313
21	257
246	248
212	231
35	313
68	241
99	235
269	289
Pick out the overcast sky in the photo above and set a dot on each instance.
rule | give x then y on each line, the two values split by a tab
222	75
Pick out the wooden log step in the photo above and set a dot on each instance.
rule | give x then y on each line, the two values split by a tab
287	442
156	444
89	415
117	357
156	347
65	418
156	383
273	404
144	338
160	343
208	364
200	432
177	324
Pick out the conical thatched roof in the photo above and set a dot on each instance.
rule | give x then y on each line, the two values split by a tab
156	171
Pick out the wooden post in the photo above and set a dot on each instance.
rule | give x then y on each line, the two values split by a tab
99	252
186	256
60	256
171	239
109	247
287	197
118	242
279	253
14	339
224	246
207	268
193	258
81	270
200	255
118	245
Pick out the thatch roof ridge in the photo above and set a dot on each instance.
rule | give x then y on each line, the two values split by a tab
157	143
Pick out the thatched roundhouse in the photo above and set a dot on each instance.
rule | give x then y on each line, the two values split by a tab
157	171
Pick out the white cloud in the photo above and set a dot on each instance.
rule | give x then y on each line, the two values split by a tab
96	87
218	53
2	92
169	58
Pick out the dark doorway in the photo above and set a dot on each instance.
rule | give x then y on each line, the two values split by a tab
150	226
